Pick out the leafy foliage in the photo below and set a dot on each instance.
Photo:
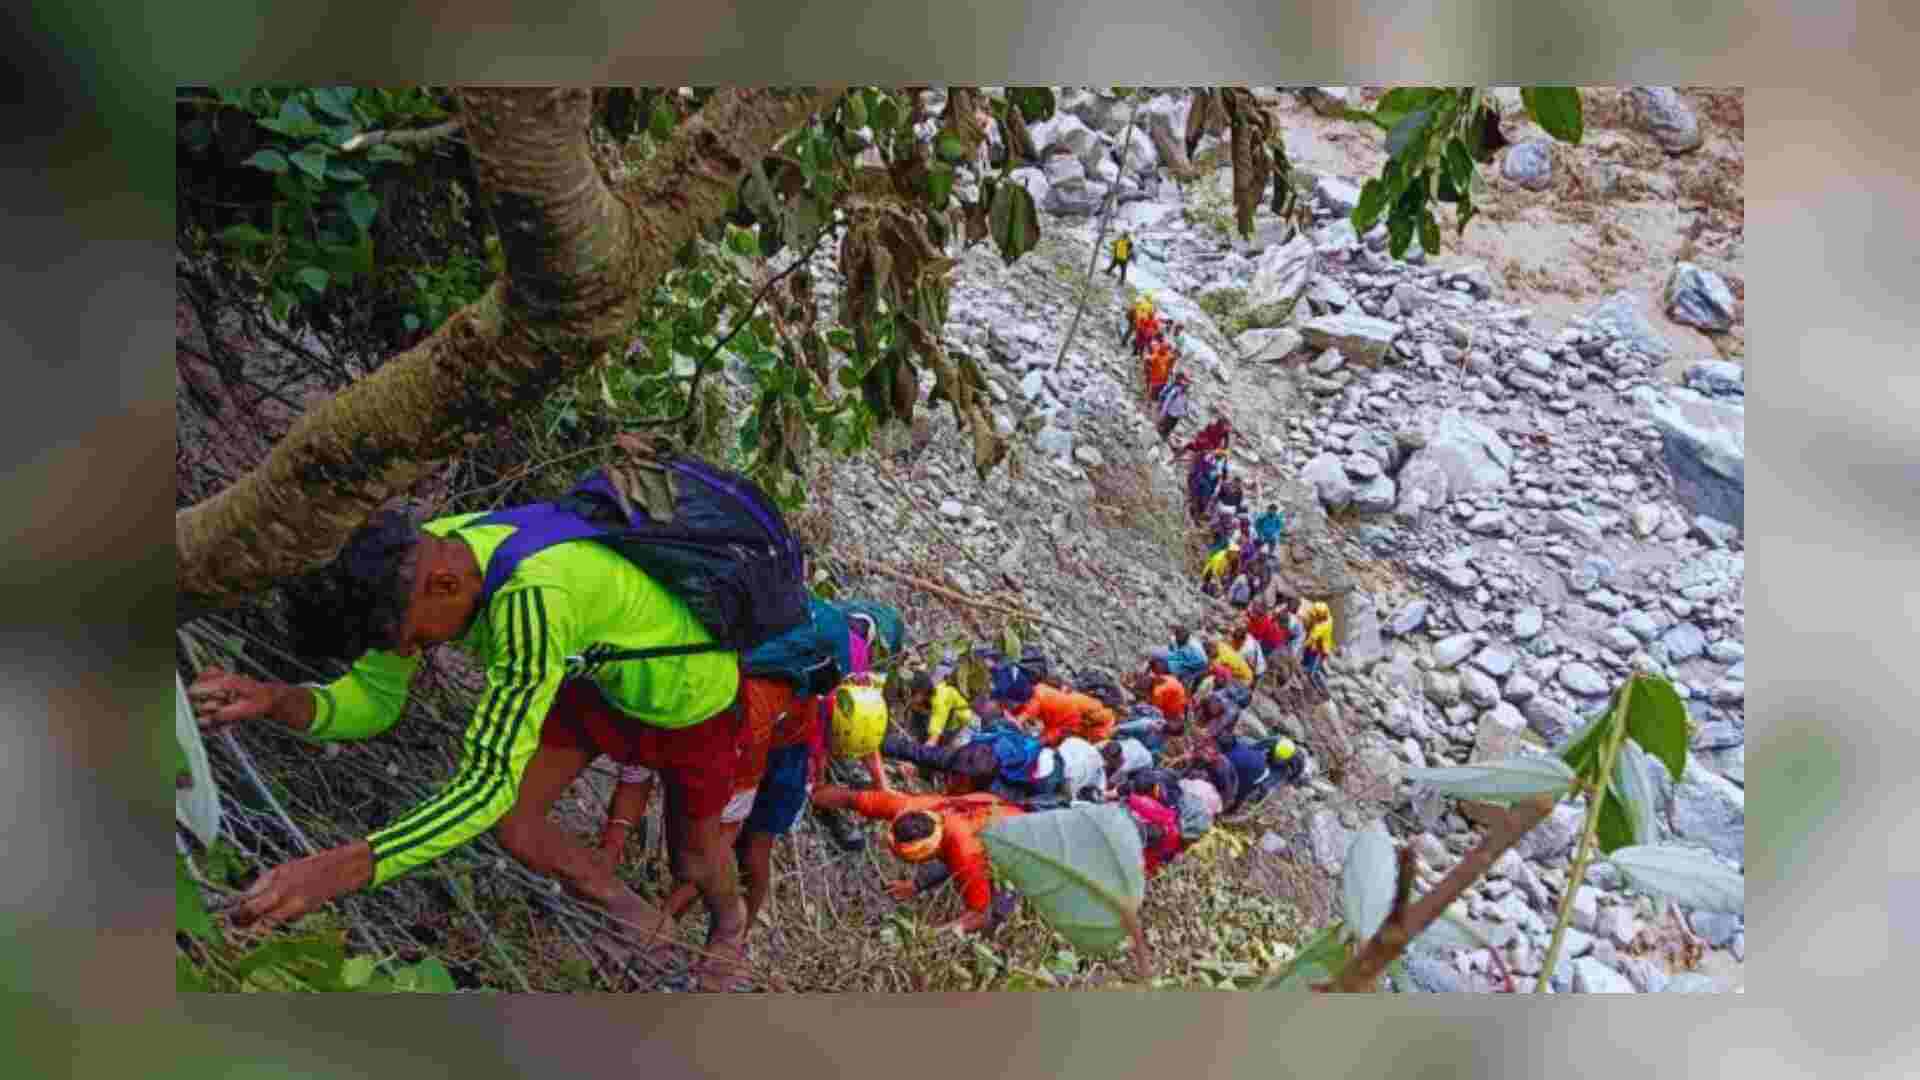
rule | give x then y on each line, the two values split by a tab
1081	868
1435	140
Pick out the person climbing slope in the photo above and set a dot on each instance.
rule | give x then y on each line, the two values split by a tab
1122	252
937	711
1270	528
1159	368
1319	644
1172	406
930	828
1064	713
541	618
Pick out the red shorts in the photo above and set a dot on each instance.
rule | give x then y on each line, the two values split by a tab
697	764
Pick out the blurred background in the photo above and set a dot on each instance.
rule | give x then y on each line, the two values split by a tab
1834	854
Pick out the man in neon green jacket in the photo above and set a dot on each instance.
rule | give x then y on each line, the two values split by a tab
534	730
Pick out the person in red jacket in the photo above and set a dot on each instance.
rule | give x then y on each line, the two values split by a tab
1266	629
1217	435
924	828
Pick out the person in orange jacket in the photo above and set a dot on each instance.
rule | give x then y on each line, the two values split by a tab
1159	367
925	828
1064	712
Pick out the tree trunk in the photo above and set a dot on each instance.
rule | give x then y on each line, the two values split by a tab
578	258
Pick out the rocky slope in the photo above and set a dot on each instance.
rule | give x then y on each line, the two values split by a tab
1510	510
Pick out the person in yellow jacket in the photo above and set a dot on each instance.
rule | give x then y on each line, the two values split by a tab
1219	569
1122	252
1319	642
1226	654
938	710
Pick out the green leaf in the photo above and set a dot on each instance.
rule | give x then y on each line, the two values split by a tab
1690	877
187	978
356	971
1555	108
272	161
244	237
885	115
344	173
1082	869
189	910
1582	751
1616	824
429	976
1036	102
1657	720
1408	139
1373	199
1499	781
1459	165
1429	233
293	121
1013	221
1634	788
197	807
855	105
1406	216
1395	105
1010	643
1317	961
312	161
362	207
336	101
311	964
662	118
950	149
1368	880
313	277
939	184
742	241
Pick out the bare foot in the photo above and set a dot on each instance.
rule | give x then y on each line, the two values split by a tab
723	970
646	926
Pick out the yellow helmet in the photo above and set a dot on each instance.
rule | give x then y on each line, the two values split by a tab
1283	749
1319	611
859	719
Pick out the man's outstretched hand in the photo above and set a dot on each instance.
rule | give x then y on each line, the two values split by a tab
221	698
291	890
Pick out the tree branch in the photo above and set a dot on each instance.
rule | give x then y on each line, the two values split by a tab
579	259
1362	974
400	137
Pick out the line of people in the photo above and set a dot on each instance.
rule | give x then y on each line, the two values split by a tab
597	649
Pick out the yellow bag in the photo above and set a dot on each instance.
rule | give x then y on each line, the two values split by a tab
859	720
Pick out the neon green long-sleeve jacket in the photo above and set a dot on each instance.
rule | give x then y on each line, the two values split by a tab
558	604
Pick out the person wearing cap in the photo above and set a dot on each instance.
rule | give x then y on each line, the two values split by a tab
923	829
398	589
1261	766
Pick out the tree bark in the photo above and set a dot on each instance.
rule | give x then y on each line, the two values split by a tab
578	258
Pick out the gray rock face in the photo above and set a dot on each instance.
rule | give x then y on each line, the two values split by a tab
1328	476
1620	316
1683	641
1704	444
1553	837
1062	167
1074	198
1338	195
1699	297
1712	810
1590	976
1282	275
1527	623
1583	680
1529	164
1483	691
1717	378
1034	180
1328	840
1448	653
1376	496
1572	523
1714	927
1496	660
1409	618
1361	338
1549	719
1441	688
1690	982
1268	344
1358	622
1664	114
1433	974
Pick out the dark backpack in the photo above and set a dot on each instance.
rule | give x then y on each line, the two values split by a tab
812	657
1014	750
725	551
1035	664
1012	684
